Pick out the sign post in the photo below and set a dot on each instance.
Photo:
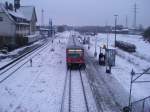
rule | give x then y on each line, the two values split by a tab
110	59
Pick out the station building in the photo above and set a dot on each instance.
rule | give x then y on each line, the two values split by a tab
16	24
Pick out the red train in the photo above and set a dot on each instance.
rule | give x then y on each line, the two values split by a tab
75	56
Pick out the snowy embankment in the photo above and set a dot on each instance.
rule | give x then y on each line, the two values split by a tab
37	88
125	62
6	58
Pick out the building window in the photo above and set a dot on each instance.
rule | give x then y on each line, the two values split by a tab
1	19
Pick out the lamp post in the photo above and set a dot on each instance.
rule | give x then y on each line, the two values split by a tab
132	74
115	27
95	53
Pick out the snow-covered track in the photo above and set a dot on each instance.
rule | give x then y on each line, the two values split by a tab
98	107
105	97
64	91
14	67
21	57
83	88
75	95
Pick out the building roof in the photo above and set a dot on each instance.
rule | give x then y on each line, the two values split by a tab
17	14
24	12
3	9
28	12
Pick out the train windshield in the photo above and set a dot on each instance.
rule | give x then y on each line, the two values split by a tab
75	53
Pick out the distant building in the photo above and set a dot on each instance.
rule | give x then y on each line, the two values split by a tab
13	24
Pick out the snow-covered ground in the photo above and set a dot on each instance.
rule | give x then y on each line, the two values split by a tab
37	88
125	62
40	88
77	99
6	58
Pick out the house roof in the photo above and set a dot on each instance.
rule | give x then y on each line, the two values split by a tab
28	12
17	14
2	9
24	12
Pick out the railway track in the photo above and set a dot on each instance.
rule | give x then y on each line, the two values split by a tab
33	80
21	57
14	66
75	96
98	107
114	106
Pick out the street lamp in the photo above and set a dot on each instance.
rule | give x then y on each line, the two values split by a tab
115	27
95	53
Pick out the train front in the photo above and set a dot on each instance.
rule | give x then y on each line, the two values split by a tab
75	57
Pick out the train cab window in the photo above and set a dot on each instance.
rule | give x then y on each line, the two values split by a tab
74	55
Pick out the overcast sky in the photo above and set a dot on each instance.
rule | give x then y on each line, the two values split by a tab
91	12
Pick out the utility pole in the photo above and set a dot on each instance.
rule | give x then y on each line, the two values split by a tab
126	22
107	31
95	53
135	16
42	18
51	27
115	27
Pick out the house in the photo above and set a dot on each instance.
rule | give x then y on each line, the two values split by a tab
30	14
14	24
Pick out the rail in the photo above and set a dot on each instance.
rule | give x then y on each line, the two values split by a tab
69	76
20	57
15	70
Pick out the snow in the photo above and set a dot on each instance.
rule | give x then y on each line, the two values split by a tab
77	98
24	12
37	88
89	94
78	105
9	57
142	46
3	10
27	11
1	54
17	14
40	88
125	61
